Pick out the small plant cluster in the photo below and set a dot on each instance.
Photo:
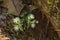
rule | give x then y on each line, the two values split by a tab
24	22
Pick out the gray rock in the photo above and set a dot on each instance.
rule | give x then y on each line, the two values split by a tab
2	17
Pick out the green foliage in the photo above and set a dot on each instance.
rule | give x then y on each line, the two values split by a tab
20	21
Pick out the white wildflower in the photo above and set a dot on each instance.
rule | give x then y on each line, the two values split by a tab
33	25
15	20
32	16
16	28
37	22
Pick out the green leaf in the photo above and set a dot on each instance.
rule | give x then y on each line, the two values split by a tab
21	28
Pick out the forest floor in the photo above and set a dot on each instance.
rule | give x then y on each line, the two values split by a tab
3	36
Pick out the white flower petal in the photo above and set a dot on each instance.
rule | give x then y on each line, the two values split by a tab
37	22
32	16
33	25
16	28
16	19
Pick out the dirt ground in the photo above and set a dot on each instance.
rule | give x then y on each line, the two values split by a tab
3	36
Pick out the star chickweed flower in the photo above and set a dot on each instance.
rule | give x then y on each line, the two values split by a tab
37	22
17	23
16	28
33	25
32	16
15	20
